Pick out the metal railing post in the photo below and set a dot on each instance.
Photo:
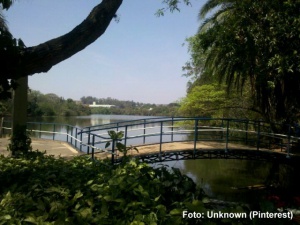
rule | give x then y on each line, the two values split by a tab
195	136
93	144
172	129
227	135
71	136
161	139
67	134
247	127
289	142
222	133
40	130
89	139
258	137
76	129
144	139
125	136
81	140
53	132
113	152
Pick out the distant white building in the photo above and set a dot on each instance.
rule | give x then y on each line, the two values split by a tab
94	105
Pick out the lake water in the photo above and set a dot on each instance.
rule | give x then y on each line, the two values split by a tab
85	121
226	179
221	179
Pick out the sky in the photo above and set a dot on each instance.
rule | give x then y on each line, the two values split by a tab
139	58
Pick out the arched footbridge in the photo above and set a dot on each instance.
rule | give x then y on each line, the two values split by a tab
177	138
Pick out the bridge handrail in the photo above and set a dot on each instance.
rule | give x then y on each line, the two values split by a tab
222	129
142	122
116	124
259	129
162	119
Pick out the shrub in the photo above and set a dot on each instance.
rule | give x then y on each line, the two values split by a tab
45	190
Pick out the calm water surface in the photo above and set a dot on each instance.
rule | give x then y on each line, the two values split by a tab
226	179
85	121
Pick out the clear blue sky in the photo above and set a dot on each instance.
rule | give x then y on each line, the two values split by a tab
140	58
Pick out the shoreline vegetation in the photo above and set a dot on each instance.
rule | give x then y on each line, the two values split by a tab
44	105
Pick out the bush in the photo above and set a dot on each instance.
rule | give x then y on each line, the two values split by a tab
45	190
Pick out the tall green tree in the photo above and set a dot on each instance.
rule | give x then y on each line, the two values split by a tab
206	97
257	42
212	100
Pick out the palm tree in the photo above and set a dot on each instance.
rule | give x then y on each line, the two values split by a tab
221	8
4	4
2	22
255	41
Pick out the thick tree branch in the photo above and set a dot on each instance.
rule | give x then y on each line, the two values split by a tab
42	57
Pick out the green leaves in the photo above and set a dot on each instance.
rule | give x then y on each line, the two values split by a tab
252	43
20	142
171	5
116	138
46	190
116	135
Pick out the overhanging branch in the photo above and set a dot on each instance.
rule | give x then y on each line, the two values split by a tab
42	57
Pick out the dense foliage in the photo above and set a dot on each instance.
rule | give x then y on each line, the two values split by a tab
207	96
40	104
253	45
212	100
52	105
45	190
9	48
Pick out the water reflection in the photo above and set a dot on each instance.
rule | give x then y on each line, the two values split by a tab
85	121
226	179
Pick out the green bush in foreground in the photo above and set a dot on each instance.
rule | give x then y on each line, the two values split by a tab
45	190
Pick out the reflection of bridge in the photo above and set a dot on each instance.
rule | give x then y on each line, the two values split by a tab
167	139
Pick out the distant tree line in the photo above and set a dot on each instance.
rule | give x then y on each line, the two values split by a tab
47	105
40	104
130	107
52	105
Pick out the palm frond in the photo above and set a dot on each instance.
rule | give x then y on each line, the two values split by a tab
3	24
211	5
218	17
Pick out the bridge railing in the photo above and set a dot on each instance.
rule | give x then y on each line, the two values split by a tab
52	131
227	132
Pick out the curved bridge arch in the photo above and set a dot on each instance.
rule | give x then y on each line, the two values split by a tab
168	138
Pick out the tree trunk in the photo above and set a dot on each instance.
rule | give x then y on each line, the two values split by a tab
42	57
19	114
